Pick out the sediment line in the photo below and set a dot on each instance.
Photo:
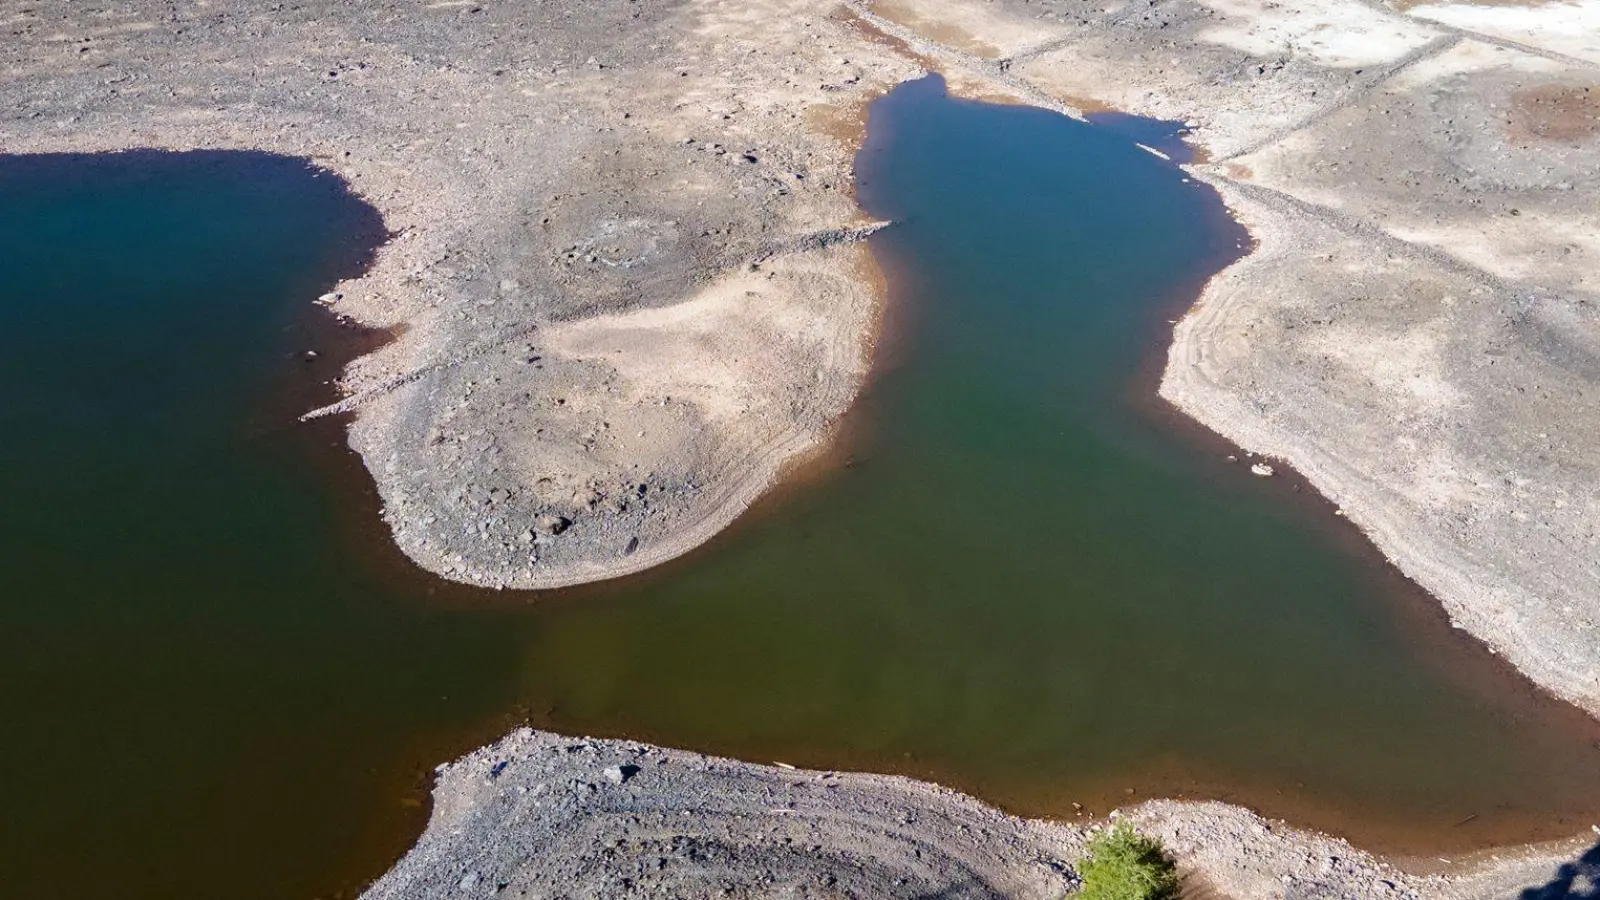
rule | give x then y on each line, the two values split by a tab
1507	43
1363	89
992	70
804	243
1359	227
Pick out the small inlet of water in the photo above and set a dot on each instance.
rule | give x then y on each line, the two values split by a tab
1033	582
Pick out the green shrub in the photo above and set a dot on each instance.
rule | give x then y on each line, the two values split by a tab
1123	864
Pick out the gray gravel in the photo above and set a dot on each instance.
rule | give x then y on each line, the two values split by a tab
628	277
539	815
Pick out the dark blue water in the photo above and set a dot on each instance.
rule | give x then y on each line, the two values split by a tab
1031	580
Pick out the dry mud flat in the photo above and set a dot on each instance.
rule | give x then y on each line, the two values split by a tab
628	286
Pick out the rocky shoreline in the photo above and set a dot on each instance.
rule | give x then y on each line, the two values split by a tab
541	815
626	265
626	268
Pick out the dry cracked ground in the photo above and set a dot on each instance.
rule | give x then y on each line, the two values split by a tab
628	287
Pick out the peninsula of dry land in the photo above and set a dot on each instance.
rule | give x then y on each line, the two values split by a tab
545	816
629	288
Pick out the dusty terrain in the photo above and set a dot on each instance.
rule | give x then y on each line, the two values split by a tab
626	259
628	283
539	815
1416	329
627	264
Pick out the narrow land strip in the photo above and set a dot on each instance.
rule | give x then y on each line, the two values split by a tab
538	814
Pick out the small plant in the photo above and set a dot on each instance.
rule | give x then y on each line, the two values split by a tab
1123	864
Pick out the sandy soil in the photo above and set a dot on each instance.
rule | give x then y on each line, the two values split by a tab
627	262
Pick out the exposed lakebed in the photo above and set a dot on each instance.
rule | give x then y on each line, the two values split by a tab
1028	581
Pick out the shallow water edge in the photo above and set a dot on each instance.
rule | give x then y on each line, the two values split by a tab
426	597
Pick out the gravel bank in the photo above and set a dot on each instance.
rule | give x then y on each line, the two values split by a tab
626	265
626	262
626	277
540	815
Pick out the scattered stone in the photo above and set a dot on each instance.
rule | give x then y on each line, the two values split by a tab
620	774
553	524
713	821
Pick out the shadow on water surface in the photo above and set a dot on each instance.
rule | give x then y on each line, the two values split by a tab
217	669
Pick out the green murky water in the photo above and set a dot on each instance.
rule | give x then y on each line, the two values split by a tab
1030	581
1034	581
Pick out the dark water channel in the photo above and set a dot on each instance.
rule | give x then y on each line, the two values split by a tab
1030	580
